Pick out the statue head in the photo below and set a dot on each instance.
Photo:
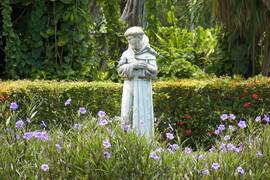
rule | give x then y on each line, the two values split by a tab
135	36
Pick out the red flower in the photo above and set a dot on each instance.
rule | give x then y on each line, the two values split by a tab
180	123
247	104
187	116
255	96
188	132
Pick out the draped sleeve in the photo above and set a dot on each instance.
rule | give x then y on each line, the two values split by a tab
125	67
152	69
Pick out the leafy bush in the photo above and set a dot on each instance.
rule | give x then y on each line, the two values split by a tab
203	100
185	53
52	95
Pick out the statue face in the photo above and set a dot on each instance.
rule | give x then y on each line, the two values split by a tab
135	41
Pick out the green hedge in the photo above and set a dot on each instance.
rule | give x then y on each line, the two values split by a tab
203	100
52	96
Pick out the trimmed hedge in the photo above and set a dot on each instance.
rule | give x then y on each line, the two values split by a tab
52	95
198	104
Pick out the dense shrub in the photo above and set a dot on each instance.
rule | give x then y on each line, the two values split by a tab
185	53
198	104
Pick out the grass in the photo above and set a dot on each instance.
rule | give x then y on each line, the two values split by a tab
90	149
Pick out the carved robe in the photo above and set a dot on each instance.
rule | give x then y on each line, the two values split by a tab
137	103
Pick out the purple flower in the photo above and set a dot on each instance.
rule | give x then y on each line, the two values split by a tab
230	146
200	156
68	102
77	126
215	166
103	122
106	143
188	150
170	150
240	147
13	106
217	131
221	127
232	116
107	155
240	170
101	114
258	119
242	124
41	135
44	167
205	171
266	118
175	147
212	149
223	117
28	135
258	153
125	127
19	124
159	149
17	136
169	136
58	147
82	110
154	156
223	148
235	149
227	138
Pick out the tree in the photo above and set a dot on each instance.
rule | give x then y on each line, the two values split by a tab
133	12
247	21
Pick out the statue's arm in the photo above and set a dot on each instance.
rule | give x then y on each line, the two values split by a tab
124	68
152	68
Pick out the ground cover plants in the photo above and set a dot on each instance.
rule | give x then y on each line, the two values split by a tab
97	146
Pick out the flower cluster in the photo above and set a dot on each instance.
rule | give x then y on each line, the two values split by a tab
41	135
182	123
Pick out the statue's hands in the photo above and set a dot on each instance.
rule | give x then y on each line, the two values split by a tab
139	65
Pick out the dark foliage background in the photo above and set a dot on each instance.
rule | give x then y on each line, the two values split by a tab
83	39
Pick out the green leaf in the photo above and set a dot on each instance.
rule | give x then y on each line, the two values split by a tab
66	1
78	37
63	40
8	121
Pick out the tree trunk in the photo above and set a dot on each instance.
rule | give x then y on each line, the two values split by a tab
266	63
253	55
133	12
267	4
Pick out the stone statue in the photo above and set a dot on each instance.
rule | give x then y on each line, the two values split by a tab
138	67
